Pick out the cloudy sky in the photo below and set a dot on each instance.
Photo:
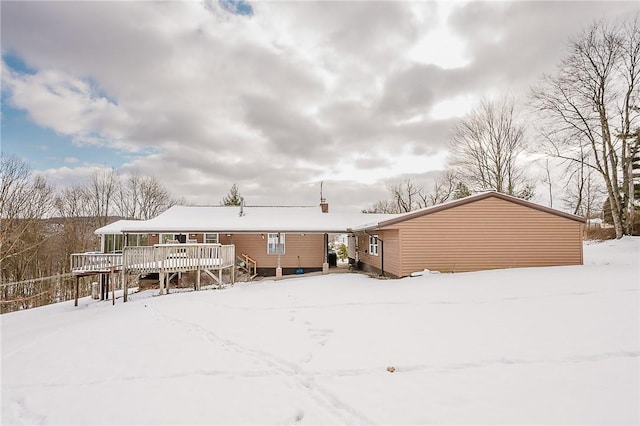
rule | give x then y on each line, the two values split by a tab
273	96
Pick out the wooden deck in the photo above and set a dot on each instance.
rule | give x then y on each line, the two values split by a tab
93	263
163	259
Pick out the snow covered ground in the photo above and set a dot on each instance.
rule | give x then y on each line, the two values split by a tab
522	346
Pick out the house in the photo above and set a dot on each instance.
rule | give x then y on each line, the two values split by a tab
290	238
488	230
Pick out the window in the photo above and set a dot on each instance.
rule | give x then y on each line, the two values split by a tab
113	243
170	238
138	240
211	238
373	245
275	244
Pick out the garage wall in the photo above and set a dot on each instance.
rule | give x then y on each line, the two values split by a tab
490	233
391	249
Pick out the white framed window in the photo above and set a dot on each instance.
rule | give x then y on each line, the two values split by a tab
170	238
211	238
275	244
113	243
373	245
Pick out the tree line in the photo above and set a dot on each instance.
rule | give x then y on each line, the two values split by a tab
41	227
581	119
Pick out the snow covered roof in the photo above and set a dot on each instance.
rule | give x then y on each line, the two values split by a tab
288	219
252	219
115	227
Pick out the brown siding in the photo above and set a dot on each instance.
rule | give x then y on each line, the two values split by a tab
153	239
198	237
488	234
391	252
309	248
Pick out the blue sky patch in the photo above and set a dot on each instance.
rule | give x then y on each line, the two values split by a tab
237	7
16	63
43	148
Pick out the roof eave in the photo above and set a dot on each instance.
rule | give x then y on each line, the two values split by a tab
238	231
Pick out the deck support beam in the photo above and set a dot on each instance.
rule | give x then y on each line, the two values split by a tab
161	282
125	286
112	280
77	290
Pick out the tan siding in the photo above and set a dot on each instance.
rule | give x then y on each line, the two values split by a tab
391	251
309	247
488	234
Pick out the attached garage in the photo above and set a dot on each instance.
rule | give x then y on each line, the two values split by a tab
484	231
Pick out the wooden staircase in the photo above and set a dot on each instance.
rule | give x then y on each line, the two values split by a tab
247	266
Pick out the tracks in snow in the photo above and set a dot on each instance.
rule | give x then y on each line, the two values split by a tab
293	373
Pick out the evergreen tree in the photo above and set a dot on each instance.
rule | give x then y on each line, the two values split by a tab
461	191
233	198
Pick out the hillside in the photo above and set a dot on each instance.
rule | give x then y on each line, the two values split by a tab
537	346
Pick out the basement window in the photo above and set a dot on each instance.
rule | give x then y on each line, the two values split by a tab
373	245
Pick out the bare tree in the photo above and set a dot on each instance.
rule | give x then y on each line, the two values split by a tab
547	180
485	149
591	102
444	189
25	200
142	197
100	193
408	196
75	216
382	206
583	192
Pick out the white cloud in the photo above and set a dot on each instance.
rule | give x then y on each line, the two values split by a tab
357	92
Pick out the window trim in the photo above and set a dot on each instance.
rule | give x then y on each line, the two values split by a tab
113	243
173	236
373	245
274	235
204	237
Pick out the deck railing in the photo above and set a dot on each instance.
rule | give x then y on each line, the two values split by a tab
92	262
157	258
177	258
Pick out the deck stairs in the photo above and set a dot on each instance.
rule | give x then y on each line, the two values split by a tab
247	268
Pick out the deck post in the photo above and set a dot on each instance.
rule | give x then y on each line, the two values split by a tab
102	287
161	282
77	288
198	279
125	286
112	279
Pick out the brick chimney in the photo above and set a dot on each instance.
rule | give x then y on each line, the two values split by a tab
324	206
